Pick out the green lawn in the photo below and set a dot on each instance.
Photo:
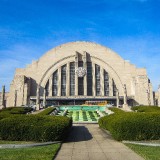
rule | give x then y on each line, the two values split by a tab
34	153
16	142
147	152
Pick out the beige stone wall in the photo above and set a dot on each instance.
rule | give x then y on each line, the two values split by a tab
19	91
120	70
157	97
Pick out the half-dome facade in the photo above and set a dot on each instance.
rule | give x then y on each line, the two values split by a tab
77	72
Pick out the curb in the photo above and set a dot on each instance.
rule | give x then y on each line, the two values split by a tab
106	131
83	122
3	146
142	143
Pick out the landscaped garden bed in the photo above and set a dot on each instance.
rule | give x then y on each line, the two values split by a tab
34	128
132	126
47	111
11	111
16	127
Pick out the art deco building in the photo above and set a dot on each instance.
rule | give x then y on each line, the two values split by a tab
77	72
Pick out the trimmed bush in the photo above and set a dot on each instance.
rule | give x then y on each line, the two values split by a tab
47	111
116	110
146	109
132	126
34	128
16	110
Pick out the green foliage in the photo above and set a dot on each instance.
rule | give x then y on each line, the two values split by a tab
146	109
11	111
16	110
47	111
132	126
116	110
34	128
106	121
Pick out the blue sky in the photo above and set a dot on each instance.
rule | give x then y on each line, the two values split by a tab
29	28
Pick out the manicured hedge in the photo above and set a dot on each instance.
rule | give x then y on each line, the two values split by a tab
47	111
146	108
132	126
16	110
34	128
7	112
116	110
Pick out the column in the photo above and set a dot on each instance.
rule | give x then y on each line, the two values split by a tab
50	85
3	97
102	81
68	79
44	98
59	81
117	98
125	94
85	76
125	105
38	98
110	86
15	98
93	80
76	75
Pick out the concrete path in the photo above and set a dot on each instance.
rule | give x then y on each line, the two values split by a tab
88	142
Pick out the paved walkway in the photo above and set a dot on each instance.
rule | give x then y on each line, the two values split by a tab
88	142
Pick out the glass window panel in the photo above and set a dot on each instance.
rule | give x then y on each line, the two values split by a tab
47	88
114	88
106	83
55	83
80	86
97	80
89	78
63	80
72	78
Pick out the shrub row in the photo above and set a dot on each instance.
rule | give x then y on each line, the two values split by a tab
132	126
7	112
47	111
34	128
16	110
146	108
116	110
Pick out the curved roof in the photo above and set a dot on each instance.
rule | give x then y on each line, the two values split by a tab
86	45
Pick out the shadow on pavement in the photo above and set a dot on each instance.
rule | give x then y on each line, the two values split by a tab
78	133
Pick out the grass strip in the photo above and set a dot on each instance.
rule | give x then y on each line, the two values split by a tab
147	152
16	142
34	153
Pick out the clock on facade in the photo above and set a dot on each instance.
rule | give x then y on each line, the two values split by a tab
81	72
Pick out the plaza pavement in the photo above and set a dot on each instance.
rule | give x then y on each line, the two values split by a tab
89	142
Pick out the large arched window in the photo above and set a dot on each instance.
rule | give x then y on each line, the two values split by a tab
101	76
